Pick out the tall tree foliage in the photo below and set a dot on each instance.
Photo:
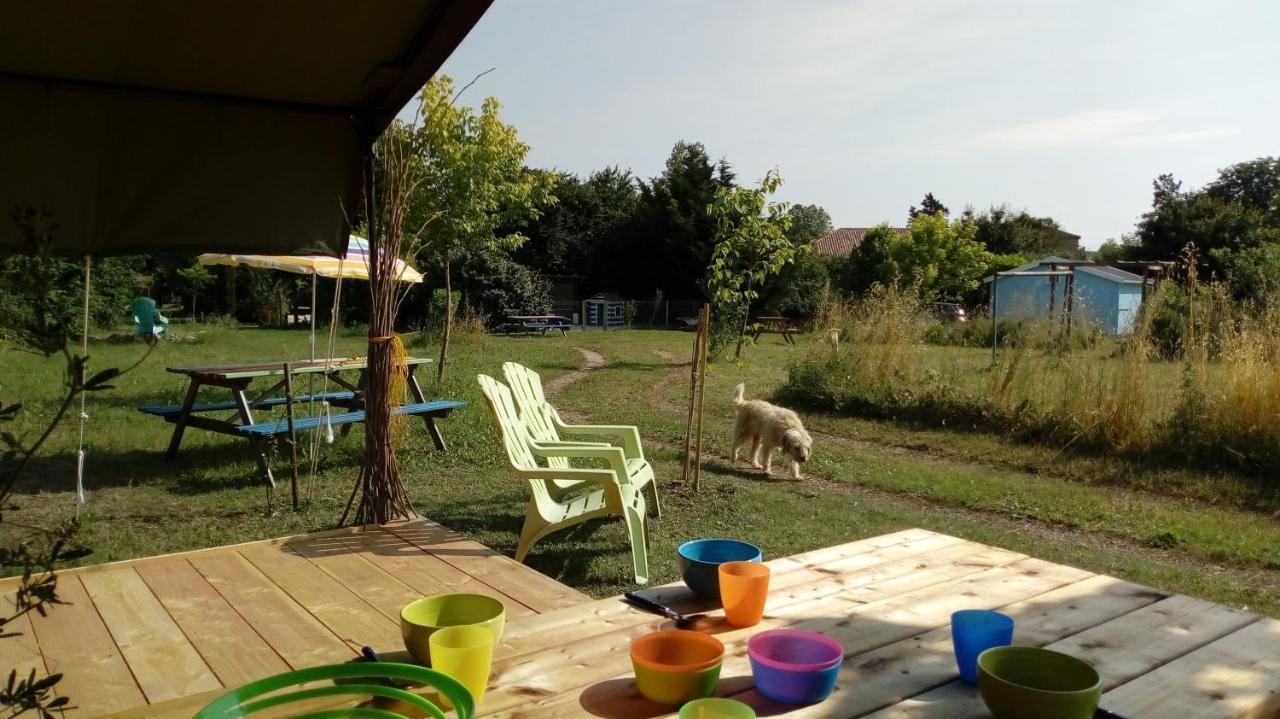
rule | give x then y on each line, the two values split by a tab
1237	212
580	234
474	184
941	258
751	246
672	238
808	223
1003	230
930	205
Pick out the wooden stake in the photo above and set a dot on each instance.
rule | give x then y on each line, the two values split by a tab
293	435
704	322
693	393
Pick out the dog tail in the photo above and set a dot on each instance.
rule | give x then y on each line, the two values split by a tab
739	393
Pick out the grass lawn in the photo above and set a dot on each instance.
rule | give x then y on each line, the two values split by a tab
1175	529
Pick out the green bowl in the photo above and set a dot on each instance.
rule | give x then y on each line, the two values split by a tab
1033	683
716	708
422	617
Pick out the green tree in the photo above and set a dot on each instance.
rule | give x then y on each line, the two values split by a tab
1237	211
580	233
193	280
930	205
473	183
941	258
751	246
1003	230
808	223
671	239
860	271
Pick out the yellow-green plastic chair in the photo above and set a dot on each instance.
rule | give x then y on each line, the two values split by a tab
352	681
546	427
561	497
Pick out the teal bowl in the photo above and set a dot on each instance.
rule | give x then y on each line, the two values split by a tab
1033	683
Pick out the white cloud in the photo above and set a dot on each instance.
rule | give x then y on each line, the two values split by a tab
1082	129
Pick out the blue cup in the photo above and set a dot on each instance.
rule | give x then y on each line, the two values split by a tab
973	631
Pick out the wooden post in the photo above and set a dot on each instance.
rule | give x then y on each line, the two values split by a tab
693	394
293	435
704	322
995	322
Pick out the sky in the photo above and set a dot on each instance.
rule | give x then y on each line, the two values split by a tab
1066	108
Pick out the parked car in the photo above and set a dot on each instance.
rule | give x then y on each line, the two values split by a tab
949	312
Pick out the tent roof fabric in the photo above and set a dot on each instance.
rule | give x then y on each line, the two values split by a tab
150	125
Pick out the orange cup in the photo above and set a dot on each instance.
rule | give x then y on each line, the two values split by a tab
744	587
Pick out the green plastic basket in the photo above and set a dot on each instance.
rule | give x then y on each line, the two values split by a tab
252	697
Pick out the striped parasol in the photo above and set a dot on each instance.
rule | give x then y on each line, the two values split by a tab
354	266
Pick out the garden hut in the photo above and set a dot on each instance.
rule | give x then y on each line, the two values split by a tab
1095	295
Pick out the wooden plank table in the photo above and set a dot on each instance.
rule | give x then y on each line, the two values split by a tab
887	600
236	378
180	629
784	326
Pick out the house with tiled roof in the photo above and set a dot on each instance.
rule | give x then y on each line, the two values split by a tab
843	241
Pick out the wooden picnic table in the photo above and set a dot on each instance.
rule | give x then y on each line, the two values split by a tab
545	323
886	599
784	326
236	379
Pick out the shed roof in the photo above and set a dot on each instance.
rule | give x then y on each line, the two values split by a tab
233	126
1103	271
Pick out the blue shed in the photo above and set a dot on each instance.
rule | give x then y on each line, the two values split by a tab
1102	296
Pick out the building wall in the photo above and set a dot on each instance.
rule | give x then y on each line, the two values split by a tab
1096	301
1129	300
1020	298
1106	304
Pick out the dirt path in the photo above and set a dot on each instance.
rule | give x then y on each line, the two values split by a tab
1039	531
591	360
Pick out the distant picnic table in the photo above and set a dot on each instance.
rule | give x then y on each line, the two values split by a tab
529	324
784	326
236	379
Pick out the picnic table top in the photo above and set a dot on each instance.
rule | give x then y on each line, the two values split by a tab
887	599
538	318
270	369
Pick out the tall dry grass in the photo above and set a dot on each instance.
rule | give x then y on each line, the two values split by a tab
1214	403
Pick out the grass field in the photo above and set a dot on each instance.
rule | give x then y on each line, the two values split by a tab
1176	529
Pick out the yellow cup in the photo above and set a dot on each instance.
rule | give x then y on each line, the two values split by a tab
423	617
464	653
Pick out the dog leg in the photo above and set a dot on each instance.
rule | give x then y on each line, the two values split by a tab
755	452
768	461
795	470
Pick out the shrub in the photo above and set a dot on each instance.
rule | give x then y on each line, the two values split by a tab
495	286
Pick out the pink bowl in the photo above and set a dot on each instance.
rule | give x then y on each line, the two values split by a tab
795	650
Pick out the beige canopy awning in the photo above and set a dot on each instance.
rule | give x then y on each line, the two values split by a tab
240	126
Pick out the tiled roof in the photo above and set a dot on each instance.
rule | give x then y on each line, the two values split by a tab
843	241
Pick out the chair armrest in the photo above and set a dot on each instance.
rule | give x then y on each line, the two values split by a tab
614	456
567	443
629	434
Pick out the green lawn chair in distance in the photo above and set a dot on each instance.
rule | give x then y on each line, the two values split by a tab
599	492
148	323
546	426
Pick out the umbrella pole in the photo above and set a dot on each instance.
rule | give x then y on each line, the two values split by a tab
313	316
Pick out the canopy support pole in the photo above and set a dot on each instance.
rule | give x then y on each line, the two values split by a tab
84	377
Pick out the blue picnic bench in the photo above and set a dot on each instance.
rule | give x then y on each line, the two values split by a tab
349	397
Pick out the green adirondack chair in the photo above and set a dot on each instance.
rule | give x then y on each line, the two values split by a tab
561	497
147	320
546	426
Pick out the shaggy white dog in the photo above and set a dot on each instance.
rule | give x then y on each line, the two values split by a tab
768	427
